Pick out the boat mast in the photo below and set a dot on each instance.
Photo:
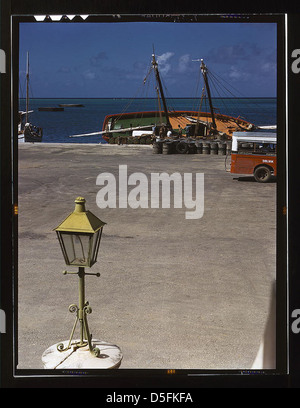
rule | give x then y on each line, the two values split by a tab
199	111
27	89
155	66
204	73
159	106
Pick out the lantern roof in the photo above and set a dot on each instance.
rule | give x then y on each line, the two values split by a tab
80	220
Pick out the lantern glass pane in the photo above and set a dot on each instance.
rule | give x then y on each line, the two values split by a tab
77	248
96	243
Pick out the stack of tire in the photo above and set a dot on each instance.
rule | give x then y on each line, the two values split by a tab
193	147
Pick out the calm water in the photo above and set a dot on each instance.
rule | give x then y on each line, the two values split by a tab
58	126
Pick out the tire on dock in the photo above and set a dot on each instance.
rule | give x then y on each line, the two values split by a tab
182	147
214	148
206	148
157	148
192	148
222	148
167	148
199	147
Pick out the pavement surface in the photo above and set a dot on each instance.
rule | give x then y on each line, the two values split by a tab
174	293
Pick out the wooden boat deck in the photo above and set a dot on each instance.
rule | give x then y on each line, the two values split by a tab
225	124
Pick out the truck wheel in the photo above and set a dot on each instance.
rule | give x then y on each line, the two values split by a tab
182	147
262	174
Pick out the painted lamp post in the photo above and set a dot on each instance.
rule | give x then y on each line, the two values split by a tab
79	236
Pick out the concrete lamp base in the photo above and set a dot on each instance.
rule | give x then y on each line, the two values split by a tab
75	357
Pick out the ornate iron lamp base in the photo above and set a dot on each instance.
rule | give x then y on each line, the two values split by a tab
81	315
80	357
86	337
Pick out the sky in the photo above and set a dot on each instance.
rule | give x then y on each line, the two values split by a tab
111	60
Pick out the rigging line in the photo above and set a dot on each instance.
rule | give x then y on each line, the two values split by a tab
130	102
23	89
21	92
214	74
214	84
179	118
221	85
221	80
140	102
205	106
235	101
251	105
147	75
151	84
30	90
169	100
199	77
158	107
167	94
203	96
139	91
197	87
199	102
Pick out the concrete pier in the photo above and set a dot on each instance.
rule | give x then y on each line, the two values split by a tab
173	292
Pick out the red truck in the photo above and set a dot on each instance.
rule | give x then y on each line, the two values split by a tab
254	153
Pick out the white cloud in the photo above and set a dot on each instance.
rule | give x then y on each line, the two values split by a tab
89	75
163	64
183	63
164	57
237	74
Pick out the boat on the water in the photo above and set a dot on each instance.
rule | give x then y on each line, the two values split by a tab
71	105
183	123
146	126
51	109
189	123
27	132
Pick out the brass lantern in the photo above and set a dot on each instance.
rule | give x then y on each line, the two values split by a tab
79	236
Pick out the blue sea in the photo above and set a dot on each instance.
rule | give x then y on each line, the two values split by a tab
59	126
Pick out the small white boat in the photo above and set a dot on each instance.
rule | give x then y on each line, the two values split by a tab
26	131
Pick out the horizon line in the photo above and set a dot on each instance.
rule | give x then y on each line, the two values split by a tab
130	97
